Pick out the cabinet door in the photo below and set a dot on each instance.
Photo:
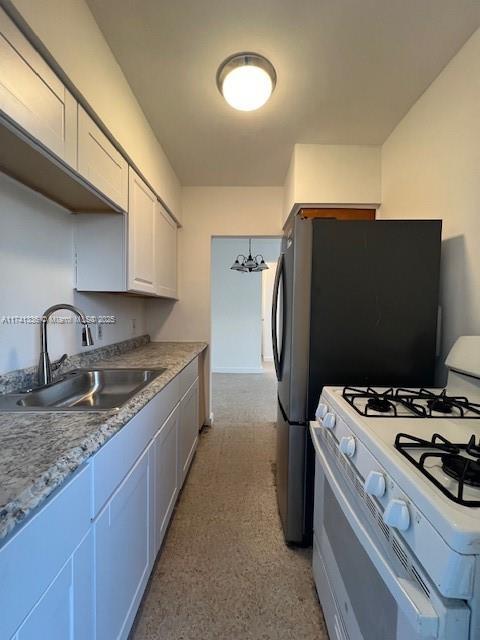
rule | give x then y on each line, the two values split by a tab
142	213
187	430
33	97
65	611
123	552
100	163
165	476
166	254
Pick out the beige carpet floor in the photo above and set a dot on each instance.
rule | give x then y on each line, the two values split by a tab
224	571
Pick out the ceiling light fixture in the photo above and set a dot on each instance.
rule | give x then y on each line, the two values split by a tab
250	264
246	80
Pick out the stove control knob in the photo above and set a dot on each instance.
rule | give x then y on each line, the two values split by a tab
375	484
321	411
329	420
347	446
397	515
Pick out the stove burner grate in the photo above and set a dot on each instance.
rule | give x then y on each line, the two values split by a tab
459	467
378	403
439	405
417	403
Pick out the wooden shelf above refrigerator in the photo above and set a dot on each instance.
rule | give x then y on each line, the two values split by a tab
338	213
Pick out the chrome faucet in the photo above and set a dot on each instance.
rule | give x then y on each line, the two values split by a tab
45	367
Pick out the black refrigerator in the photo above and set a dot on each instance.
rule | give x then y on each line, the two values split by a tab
354	303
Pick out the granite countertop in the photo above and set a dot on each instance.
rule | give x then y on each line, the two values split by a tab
40	450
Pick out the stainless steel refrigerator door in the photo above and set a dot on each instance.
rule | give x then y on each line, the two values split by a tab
278	317
296	275
290	476
285	306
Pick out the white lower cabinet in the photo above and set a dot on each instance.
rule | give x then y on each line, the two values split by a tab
78	569
188	432
46	569
65	611
166	485
123	552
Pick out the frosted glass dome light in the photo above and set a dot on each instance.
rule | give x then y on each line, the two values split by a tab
246	81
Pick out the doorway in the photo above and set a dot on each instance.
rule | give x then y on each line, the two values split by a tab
241	306
268	279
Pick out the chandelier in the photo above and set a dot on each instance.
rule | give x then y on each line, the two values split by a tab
250	264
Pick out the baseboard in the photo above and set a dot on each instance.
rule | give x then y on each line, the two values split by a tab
237	370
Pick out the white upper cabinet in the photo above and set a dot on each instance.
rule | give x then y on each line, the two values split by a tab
33	97
166	254
142	215
100	163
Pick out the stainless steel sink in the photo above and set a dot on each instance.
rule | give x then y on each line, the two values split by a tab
82	390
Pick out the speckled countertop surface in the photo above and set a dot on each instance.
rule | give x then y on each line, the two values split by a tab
40	450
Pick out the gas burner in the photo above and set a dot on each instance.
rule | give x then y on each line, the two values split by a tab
462	468
380	404
441	404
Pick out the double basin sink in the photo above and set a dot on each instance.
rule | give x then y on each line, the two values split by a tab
82	390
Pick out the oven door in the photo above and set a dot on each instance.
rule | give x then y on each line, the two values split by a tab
362	596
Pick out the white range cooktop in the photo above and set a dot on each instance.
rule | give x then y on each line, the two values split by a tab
458	524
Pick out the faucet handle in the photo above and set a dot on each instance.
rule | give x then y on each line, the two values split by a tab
87	339
58	363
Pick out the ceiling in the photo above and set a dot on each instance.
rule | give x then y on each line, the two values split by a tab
348	70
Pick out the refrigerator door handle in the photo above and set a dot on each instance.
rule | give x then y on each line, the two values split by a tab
277	357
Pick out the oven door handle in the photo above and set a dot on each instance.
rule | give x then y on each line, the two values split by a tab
411	600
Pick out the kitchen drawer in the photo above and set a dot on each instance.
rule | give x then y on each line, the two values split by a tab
188	376
114	460
31	559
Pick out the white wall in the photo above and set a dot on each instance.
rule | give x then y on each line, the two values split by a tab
332	175
431	169
36	267
237	306
209	212
69	32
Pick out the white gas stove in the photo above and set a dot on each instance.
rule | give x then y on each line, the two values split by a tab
397	507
